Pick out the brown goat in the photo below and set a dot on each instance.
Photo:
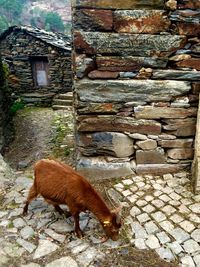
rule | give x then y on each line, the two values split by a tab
58	183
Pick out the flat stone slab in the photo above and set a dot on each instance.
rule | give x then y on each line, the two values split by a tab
63	262
44	248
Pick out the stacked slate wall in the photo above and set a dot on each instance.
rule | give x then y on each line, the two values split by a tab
6	125
137	86
17	49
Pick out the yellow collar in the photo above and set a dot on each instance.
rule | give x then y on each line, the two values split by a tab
106	223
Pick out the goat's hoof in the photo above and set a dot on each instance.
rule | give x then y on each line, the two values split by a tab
79	234
24	213
104	239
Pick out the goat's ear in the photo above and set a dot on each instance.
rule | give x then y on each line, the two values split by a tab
118	212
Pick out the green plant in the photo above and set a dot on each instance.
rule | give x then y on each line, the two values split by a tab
17	105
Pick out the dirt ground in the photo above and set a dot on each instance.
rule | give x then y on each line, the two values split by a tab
42	133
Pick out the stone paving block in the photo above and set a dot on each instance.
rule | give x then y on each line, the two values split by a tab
187	226
168	209
126	193
27	232
138	230
127	182
44	248
151	227
148	208
176	218
164	198
148	198
64	261
186	201
144	217
167	226
134	211
180	235
58	237
140	243
133	188
191	246
187	261
175	247
196	259
158	216
133	198
195	208
163	237
174	203
158	203
196	235
194	218
157	193
141	203
183	209
26	245
175	196
165	254
19	223
79	248
140	193
152	242
86	257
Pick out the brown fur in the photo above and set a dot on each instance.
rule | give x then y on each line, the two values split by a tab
58	183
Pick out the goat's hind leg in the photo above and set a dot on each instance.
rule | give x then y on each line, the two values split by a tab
31	195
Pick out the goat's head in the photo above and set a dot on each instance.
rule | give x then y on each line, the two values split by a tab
112	226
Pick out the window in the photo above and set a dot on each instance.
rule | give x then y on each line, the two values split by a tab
40	71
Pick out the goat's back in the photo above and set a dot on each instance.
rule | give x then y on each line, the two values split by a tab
57	181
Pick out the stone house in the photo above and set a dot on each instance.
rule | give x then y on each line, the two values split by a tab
39	63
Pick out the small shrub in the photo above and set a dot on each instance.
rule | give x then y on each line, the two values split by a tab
17	105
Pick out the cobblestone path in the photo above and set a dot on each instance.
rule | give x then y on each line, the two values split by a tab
162	214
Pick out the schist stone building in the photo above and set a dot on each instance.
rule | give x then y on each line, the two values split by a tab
39	62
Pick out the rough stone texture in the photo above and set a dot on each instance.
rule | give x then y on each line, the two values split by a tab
93	19
62	262
144	82
150	157
157	113
129	90
114	63
114	144
120	124
45	247
120	4
141	21
126	44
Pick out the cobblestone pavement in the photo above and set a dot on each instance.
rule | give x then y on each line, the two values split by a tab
162	215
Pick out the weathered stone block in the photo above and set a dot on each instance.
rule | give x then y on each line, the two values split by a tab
196	88
150	157
147	144
100	91
180	153
83	65
93	20
96	74
127	44
105	108
181	127
96	168
193	63
109	123
111	143
159	169
189	4
176	75
191	29
150	112
129	63
119	4
141	21
177	143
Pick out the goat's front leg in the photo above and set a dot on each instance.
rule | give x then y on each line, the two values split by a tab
77	226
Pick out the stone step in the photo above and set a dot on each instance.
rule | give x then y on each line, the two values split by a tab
56	107
62	102
67	96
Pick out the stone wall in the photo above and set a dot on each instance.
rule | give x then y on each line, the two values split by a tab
6	126
137	85
17	48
